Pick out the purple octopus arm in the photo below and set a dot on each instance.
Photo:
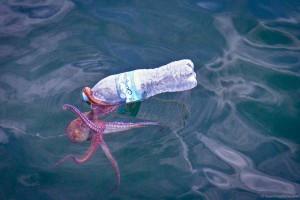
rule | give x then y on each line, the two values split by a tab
78	132
113	162
99	110
112	127
95	141
89	123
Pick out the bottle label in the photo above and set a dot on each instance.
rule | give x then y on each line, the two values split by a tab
126	87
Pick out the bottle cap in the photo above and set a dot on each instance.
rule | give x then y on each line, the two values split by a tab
85	98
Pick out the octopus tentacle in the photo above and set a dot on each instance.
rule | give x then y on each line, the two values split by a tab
99	110
98	128
88	92
89	153
91	125
112	160
112	127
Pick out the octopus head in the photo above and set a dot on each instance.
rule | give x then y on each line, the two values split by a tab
77	131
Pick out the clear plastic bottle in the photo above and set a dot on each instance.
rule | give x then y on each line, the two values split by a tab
141	84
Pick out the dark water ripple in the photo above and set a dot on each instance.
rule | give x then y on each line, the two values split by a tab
18	17
235	136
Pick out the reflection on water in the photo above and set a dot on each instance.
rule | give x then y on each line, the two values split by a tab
234	136
18	17
246	176
3	137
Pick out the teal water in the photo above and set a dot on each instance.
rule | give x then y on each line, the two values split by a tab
234	136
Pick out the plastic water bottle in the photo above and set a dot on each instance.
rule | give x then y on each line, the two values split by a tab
141	84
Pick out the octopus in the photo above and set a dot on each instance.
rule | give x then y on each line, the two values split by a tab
88	126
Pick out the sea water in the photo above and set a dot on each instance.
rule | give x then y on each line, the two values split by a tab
234	136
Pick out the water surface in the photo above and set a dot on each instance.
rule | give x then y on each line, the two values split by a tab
234	136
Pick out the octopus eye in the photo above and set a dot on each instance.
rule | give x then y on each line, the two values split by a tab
83	126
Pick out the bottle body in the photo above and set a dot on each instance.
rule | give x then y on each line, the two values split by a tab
141	84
